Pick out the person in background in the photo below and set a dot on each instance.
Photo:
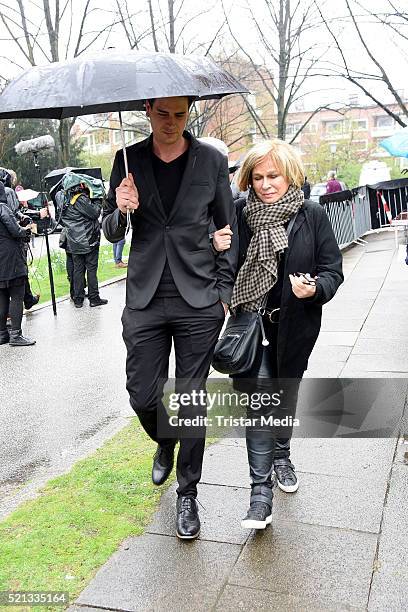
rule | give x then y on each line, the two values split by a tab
306	189
288	258
80	219
8	178
333	184
13	274
117	248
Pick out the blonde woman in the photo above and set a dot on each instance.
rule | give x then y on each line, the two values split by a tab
288	257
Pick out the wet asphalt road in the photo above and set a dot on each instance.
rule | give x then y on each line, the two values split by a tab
62	397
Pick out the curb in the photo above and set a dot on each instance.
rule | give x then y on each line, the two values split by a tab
63	298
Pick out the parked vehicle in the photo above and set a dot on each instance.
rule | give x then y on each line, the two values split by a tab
319	189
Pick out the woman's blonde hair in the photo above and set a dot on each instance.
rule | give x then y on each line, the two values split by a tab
284	156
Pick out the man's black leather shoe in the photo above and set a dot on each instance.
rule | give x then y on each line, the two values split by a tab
163	461
188	521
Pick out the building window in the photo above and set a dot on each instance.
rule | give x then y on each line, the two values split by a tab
117	137
383	121
311	128
334	127
101	137
292	128
357	125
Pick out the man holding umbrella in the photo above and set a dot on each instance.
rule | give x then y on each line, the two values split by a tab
178	289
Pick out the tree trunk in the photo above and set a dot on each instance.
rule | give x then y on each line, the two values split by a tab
64	131
284	12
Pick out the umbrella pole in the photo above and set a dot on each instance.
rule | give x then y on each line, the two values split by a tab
47	243
125	161
122	134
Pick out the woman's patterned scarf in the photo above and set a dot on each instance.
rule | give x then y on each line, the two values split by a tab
259	272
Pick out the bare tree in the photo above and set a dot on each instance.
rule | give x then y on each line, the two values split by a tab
288	58
52	32
376	81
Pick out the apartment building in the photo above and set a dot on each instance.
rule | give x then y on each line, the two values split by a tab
101	133
363	126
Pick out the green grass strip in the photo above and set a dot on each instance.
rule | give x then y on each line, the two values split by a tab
58	541
38	271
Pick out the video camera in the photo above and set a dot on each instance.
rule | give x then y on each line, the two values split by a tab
44	226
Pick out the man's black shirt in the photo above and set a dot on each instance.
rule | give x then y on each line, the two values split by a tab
168	177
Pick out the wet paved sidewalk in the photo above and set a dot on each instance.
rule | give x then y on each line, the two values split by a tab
341	541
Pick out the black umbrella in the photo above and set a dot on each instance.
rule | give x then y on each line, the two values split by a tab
54	177
112	81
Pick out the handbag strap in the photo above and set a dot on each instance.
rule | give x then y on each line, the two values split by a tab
291	224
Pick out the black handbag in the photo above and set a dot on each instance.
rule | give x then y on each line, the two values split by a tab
236	349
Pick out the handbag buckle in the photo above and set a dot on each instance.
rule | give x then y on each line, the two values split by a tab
274	315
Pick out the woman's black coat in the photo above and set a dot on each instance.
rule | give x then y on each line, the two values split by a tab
13	262
312	248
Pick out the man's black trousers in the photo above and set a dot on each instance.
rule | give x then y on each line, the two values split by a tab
88	262
148	335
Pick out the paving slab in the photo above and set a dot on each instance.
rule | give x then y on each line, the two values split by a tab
342	308
386	348
378	362
354	283
389	589
362	459
320	369
235	598
333	501
226	465
389	303
342	324
380	327
394	286
350	371
312	561
349	293
362	303
328	354
155	572
221	509
337	338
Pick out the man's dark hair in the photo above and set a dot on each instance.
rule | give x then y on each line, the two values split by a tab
191	99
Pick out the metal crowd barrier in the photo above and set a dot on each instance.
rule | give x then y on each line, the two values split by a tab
354	213
349	216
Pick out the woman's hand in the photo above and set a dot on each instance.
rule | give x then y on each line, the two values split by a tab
127	196
302	287
222	239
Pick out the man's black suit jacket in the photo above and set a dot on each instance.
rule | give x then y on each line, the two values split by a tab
201	276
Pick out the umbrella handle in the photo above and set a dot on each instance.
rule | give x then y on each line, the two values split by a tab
125	161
